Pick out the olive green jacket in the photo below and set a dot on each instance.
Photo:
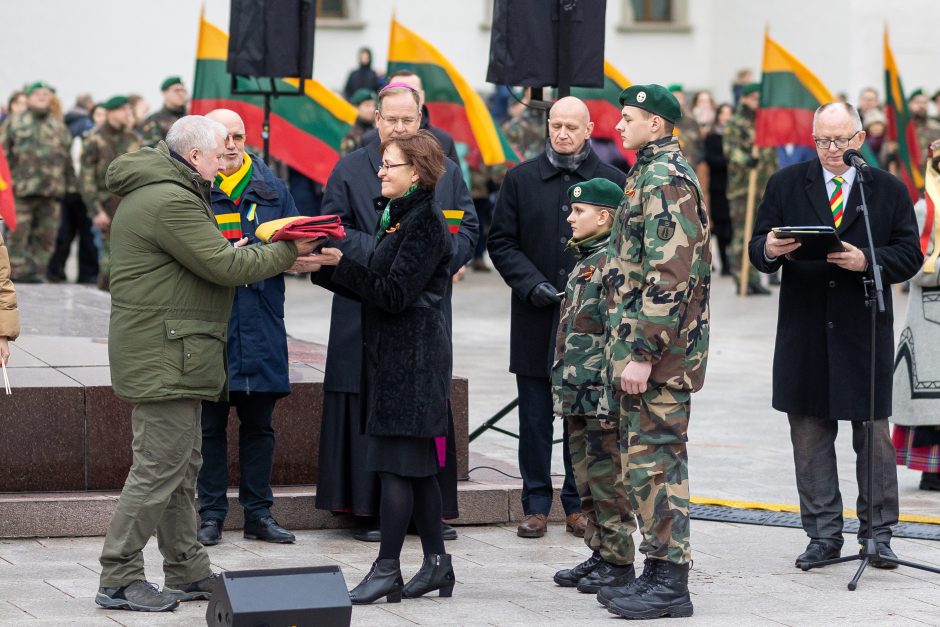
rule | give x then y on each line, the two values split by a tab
172	281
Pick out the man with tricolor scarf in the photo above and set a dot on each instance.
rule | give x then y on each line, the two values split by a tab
245	194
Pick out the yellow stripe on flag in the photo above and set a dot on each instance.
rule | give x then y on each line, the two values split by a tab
327	98
213	43
406	46
778	59
615	75
228	218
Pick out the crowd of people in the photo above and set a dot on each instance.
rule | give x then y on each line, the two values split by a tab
609	270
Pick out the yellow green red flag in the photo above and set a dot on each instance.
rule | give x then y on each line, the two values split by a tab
603	104
901	126
7	203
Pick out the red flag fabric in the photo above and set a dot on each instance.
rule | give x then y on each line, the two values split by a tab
7	204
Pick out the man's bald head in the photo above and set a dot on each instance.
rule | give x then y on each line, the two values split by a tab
569	125
234	155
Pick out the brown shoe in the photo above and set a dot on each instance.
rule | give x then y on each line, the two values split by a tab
576	523
532	526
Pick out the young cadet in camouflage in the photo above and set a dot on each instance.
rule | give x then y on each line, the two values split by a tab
102	146
36	143
157	125
525	130
577	388
657	283
690	135
738	143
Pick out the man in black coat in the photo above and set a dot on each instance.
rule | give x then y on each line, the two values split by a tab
528	246
353	192
821	369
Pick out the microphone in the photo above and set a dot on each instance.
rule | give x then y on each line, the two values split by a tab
853	158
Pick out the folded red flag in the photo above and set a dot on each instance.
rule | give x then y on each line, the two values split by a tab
301	227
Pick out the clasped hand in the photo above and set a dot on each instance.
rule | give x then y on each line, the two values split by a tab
313	262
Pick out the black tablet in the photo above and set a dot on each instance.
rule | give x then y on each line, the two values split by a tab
815	241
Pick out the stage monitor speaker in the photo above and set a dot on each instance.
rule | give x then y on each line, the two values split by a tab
271	38
525	42
280	598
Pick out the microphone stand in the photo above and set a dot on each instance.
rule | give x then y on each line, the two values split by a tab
873	297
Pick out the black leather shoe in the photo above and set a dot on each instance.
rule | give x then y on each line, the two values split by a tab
930	481
268	530
569	577
608	593
367	534
436	573
210	532
383	580
884	550
607	574
817	551
448	532
664	592
756	289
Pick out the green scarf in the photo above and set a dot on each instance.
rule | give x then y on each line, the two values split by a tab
386	215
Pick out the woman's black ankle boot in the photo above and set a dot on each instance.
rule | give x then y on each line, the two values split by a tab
384	580
436	573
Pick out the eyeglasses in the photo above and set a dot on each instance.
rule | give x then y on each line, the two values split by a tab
397	121
838	142
388	166
235	137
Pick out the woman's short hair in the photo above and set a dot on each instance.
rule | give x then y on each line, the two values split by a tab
195	131
423	151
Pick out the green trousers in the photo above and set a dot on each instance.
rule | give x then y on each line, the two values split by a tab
159	497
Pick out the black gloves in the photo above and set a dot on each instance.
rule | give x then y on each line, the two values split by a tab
752	162
544	295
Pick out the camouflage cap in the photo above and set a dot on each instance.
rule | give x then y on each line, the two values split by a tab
750	88
169	82
115	102
653	98
38	85
361	95
599	191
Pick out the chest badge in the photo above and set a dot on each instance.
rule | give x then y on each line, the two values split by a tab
629	192
666	229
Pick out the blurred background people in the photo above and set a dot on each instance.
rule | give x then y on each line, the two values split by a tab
175	97
363	77
717	187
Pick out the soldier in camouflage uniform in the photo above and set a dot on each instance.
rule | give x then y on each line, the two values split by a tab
690	135
927	129
738	143
576	389
156	126
102	146
525	130
657	282
364	101
36	143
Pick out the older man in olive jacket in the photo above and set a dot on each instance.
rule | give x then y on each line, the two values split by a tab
172	284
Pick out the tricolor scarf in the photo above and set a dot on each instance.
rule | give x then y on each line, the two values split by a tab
234	186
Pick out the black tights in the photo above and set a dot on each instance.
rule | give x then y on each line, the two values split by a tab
401	498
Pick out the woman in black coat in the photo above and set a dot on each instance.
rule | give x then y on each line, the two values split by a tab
406	357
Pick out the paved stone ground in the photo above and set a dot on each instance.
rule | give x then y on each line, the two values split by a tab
739	450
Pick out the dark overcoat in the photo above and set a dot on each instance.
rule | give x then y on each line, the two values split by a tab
353	193
405	339
822	355
528	242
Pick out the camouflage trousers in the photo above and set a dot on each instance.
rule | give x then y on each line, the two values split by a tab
739	239
31	244
653	436
595	460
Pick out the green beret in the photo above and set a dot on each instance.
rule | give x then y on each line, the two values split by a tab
115	102
38	85
750	88
675	87
600	191
653	98
917	92
360	96
173	80
936	95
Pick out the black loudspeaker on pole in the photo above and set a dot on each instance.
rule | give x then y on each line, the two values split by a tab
270	39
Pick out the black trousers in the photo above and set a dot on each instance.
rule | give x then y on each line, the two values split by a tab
817	478
536	431
255	456
74	222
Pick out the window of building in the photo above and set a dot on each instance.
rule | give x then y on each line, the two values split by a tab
655	15
342	14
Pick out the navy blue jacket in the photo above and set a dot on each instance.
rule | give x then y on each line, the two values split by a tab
257	338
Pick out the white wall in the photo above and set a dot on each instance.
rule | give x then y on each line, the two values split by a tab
119	46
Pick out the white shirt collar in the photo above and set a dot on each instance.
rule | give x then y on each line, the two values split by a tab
848	176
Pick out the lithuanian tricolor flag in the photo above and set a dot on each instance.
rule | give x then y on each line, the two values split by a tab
901	127
790	94
454	106
7	203
603	103
306	131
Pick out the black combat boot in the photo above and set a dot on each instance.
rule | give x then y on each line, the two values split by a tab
608	593
607	574
436	573
383	580
569	577
664	593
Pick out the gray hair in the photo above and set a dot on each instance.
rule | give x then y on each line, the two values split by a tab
195	131
391	91
852	111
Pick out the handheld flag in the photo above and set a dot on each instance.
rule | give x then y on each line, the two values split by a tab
901	127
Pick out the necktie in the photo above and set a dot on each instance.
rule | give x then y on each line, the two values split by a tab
836	201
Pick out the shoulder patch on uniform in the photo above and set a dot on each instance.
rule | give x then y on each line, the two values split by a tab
666	229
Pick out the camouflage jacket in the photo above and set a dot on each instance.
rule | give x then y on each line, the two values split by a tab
582	332
37	149
658	274
101	147
353	138
690	138
157	125
526	134
737	142
926	130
